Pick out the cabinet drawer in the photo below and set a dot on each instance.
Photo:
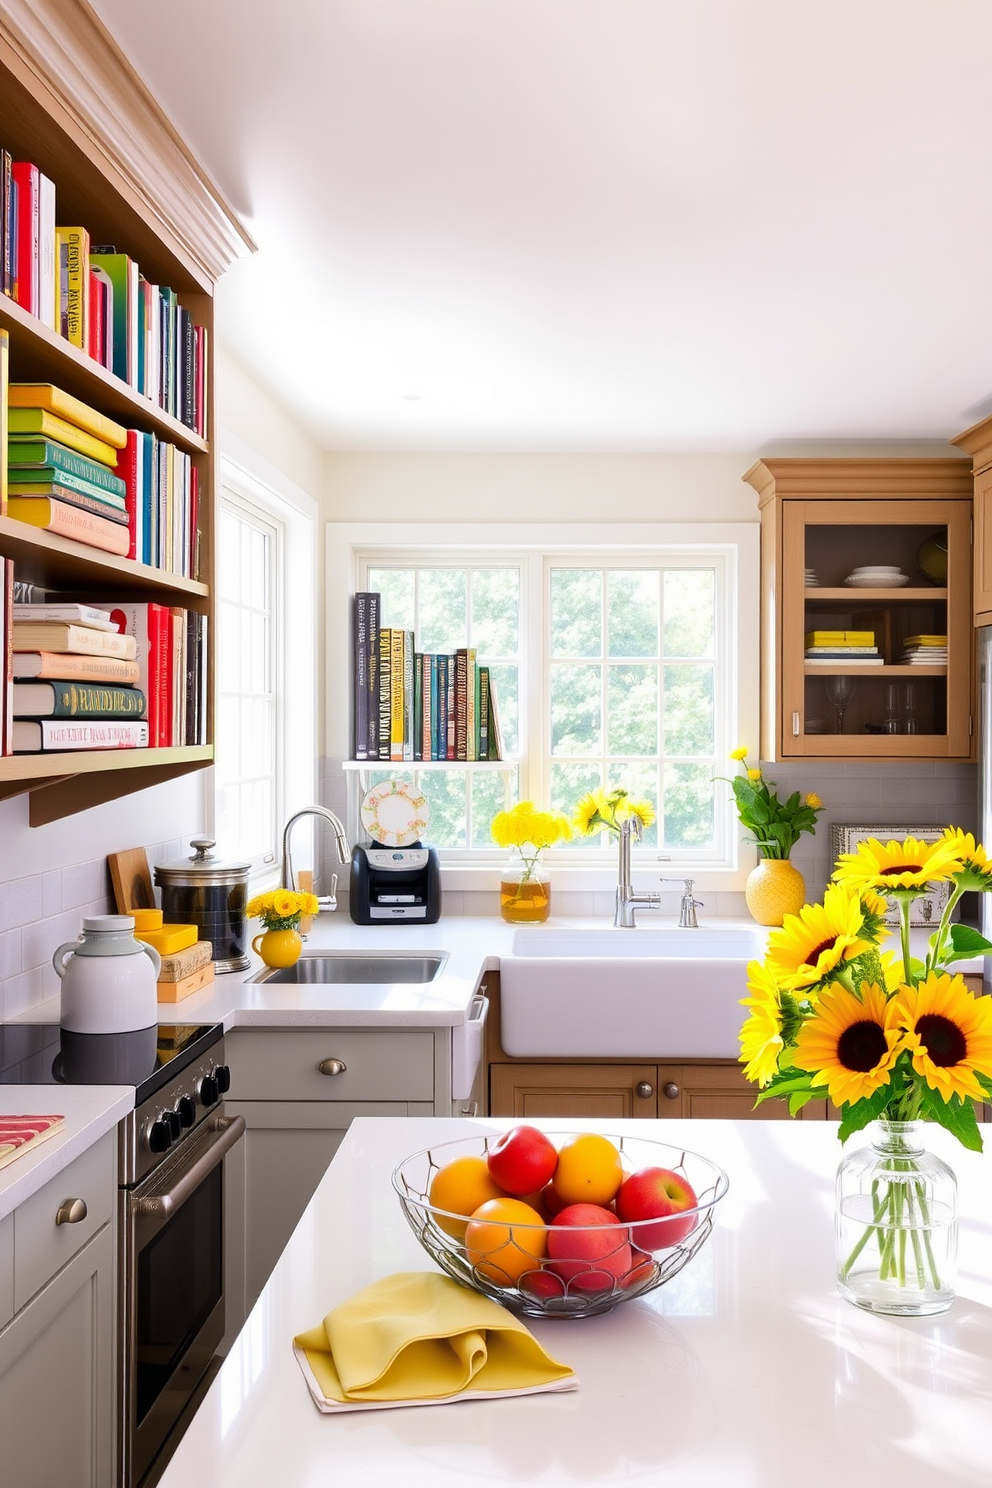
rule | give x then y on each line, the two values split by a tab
384	1064
41	1245
6	1269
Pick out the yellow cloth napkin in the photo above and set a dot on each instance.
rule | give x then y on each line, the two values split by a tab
418	1338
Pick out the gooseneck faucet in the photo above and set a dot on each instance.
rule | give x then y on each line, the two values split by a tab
629	899
324	901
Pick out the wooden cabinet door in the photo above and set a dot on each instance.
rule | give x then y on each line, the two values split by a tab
719	1091
611	1091
57	1415
983	548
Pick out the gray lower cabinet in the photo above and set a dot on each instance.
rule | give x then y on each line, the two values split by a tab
57	1355
299	1090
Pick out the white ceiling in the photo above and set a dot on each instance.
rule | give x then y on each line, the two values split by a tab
596	224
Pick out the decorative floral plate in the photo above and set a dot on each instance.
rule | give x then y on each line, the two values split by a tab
395	813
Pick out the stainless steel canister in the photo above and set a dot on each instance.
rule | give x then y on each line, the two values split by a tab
211	895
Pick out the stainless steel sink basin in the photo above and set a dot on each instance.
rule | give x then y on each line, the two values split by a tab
323	968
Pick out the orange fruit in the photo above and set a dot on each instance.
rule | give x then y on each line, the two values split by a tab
460	1187
589	1170
505	1238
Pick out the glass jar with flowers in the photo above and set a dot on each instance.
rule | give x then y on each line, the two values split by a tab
895	1042
280	911
525	890
774	887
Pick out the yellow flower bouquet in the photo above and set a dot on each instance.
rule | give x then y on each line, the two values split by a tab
888	1038
602	809
524	892
281	909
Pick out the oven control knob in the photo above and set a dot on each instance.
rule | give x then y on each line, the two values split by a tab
159	1135
174	1123
186	1110
207	1090
222	1075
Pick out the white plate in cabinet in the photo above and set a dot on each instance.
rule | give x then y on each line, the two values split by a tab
332	1064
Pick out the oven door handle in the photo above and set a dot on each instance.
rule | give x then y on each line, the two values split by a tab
230	1129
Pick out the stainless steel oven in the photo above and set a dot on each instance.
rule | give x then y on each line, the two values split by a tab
172	1151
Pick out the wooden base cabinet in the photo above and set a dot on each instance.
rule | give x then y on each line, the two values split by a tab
526	1089
57	1355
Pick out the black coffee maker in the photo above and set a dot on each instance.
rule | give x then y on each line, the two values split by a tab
395	877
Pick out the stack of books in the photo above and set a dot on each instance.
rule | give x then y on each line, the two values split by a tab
98	298
62	458
852	647
925	650
186	971
75	681
418	705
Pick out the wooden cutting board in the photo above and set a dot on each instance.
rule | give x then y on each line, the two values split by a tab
132	880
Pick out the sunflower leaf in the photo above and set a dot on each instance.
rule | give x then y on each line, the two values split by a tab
855	1117
967	942
955	1115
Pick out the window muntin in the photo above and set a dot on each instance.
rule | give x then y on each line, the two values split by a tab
608	673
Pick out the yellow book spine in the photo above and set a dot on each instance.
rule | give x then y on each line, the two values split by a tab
396	694
49	426
169	939
45	395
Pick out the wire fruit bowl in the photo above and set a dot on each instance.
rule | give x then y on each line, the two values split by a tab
546	1287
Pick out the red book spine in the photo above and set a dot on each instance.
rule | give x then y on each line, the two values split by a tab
27	229
95	332
194	523
160	665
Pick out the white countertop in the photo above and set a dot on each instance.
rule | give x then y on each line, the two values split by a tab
89	1111
748	1370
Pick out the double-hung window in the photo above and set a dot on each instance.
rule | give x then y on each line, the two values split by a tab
629	664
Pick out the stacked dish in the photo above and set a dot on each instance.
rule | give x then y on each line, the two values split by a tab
877	576
812	581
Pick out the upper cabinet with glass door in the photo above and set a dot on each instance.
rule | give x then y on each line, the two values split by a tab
866	609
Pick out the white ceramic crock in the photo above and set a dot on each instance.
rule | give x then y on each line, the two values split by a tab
108	978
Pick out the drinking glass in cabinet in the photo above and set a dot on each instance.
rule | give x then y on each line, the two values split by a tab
840	691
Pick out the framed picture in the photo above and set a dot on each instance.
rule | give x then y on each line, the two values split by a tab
928	908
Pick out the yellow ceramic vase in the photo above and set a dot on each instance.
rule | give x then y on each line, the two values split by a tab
774	889
278	947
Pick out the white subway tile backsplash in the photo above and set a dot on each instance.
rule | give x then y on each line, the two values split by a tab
20	993
41	940
85	882
10	954
51	891
21	901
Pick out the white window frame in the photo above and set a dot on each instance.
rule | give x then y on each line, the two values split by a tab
734	545
250	484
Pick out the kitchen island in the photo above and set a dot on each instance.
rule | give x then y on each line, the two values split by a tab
748	1370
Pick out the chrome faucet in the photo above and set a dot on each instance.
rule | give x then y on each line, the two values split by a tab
629	899
324	901
689	905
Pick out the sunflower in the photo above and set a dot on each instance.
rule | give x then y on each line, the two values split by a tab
285	904
643	809
976	866
761	1035
949	1031
897	865
739	754
813	801
847	1043
811	944
589	814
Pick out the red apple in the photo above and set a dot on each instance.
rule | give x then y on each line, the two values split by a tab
522	1160
548	1201
657	1193
641	1268
588	1247
542	1284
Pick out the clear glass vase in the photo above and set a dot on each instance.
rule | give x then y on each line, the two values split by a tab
896	1224
524	893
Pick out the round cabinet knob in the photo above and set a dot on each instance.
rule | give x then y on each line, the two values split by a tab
207	1090
222	1074
670	1090
644	1089
159	1136
186	1110
73	1211
332	1067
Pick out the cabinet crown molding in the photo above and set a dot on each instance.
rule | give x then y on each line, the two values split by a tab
61	49
877	479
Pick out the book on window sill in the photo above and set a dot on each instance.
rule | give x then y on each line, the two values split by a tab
58	635
18	1134
65	519
44	735
79	667
77	700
